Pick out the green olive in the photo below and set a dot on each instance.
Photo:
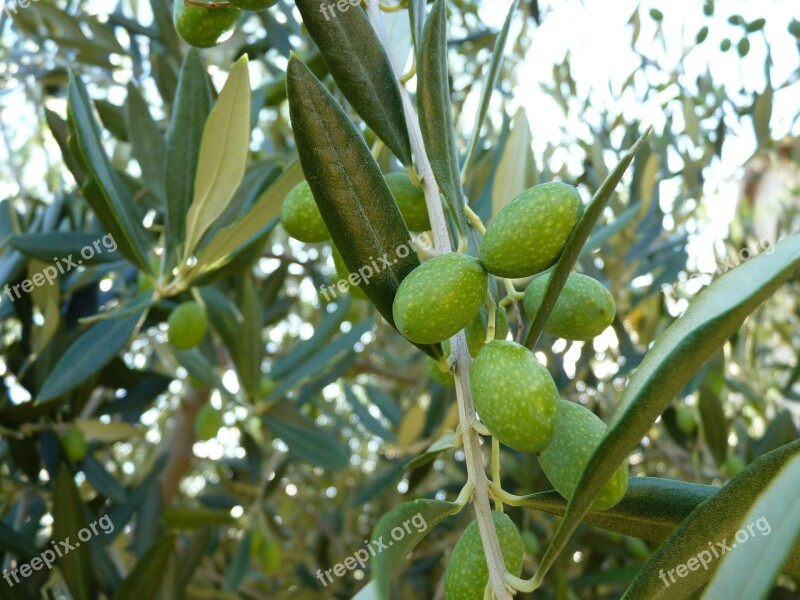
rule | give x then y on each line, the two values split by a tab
187	325
440	297
204	26
300	216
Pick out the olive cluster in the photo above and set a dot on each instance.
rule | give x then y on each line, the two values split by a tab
206	23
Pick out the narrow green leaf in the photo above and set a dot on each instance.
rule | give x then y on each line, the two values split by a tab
145	579
350	190
575	243
443	444
749	570
511	176
712	414
92	351
120	204
712	525
237	567
361	69
398	532
189	115
416	16
489	82
223	155
69	518
762	114
101	480
678	353
264	211
651	509
252	347
310	444
147	142
435	115
17	543
54	246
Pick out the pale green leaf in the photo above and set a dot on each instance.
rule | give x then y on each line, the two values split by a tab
223	155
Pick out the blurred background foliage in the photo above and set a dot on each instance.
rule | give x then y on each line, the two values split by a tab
239	469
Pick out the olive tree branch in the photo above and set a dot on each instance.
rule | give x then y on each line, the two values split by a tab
476	474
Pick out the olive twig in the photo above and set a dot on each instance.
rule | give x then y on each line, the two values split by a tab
211	5
465	494
476	473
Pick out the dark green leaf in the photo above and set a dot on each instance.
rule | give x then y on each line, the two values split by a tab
715	520
57	245
101	480
69	518
361	69
651	509
145	579
678	353
401	529
192	105
435	116
119	203
350	190
310	444
93	350
147	142
237	568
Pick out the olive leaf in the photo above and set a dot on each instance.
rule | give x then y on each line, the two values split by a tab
749	570
362	71
576	241
69	517
651	509
147	142
714	521
398	532
108	197
488	84
224	244
350	191
223	155
435	115
144	581
189	114
678	353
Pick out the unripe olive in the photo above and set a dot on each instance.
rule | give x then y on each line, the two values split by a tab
467	572
583	310
266	386
578	433
207	422
439	298
515	395
187	325
253	5
733	465
435	373
74	444
344	273
202	26
300	215
684	417
528	234
410	200
476	330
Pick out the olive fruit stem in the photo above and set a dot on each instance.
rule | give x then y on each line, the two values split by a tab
223	4
465	494
476	473
498	501
393	7
480	428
